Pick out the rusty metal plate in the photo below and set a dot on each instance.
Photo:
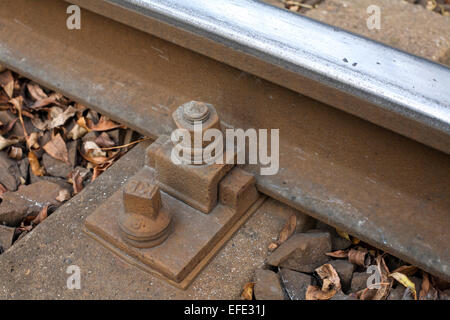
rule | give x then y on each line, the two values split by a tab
194	239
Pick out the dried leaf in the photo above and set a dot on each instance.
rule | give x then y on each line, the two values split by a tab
63	195
2	189
61	118
92	149
33	140
345	235
15	153
7	82
288	228
359	257
315	293
82	123
104	141
427	291
104	124
247	293
386	284
57	148
35	165
338	254
41	216
329	277
407	270
52	99
404	280
331	284
77	181
36	91
4	143
273	246
77	132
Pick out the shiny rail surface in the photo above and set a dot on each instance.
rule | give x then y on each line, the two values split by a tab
388	190
388	87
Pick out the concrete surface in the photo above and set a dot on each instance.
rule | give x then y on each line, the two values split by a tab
405	26
35	267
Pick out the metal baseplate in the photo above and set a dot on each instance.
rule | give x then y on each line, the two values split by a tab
171	219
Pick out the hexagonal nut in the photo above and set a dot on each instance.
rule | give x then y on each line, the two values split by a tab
140	197
211	121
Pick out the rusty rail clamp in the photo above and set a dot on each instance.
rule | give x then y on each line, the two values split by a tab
170	219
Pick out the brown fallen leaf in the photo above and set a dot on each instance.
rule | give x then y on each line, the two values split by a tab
427	291
104	124
60	118
35	165
33	140
15	153
247	292
338	254
57	149
104	141
97	160
273	246
77	181
345	235
385	284
92	149
17	103
406	270
77	132
41	216
4	143
2	189
7	82
331	284
288	228
52	99
359	257
404	280
82	122
36	91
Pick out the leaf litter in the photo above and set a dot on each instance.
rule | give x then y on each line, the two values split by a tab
35	121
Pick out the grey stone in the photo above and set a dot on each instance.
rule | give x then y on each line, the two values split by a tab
6	237
302	252
359	281
90	136
444	295
337	242
9	172
295	283
397	293
345	271
55	167
304	222
24	165
267	286
26	201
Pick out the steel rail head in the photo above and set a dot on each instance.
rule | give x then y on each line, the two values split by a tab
388	87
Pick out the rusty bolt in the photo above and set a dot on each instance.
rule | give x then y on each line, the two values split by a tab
191	113
195	111
144	222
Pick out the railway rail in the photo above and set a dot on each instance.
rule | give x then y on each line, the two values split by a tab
364	128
